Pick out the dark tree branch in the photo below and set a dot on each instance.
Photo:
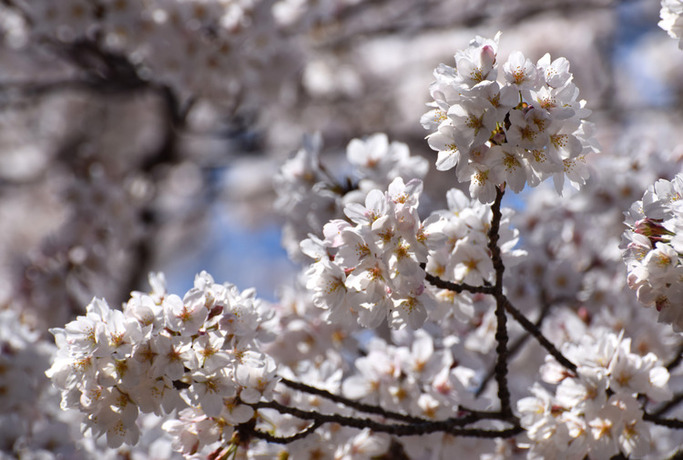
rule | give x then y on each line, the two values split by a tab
452	426
457	287
466	416
247	429
501	367
666	407
493	236
98	63
667	422
361	407
517	345
538	335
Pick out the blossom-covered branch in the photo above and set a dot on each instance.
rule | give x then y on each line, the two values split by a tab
387	335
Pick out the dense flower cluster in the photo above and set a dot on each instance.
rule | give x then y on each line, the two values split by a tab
198	355
375	271
520	131
654	249
309	195
672	19
370	269
464	256
595	413
422	379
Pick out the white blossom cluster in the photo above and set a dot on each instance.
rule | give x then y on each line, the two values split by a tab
309	195
523	130
572	241
411	372
672	19
369	269
417	377
198	355
375	270
464	256
654	249
595	413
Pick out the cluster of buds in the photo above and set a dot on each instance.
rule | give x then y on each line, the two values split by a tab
654	249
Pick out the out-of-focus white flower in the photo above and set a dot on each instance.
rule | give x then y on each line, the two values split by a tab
672	19
364	446
309	195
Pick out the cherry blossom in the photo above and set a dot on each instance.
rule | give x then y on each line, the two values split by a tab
421	323
488	135
671	13
654	264
595	412
188	361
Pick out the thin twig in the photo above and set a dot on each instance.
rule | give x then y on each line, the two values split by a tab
664	408
456	287
282	439
362	407
538	335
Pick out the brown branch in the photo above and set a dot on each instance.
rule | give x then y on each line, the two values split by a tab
517	345
538	335
451	426
456	287
667	422
249	430
467	415
666	407
362	407
501	367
